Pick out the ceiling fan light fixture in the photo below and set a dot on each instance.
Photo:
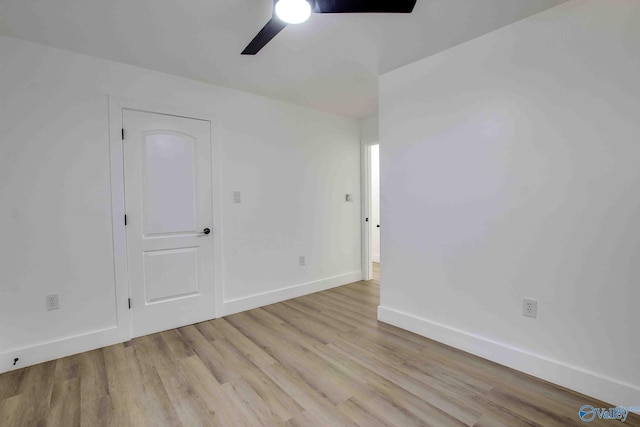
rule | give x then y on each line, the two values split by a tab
293	11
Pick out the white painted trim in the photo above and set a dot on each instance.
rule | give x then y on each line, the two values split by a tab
271	297
217	220
59	348
592	384
121	275
375	258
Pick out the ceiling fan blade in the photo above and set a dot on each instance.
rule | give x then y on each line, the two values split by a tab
364	6
269	31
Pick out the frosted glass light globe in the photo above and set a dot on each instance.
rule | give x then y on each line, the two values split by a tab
293	11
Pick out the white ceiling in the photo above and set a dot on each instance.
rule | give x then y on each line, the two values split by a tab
330	63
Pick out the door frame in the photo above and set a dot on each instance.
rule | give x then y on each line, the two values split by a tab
367	243
116	151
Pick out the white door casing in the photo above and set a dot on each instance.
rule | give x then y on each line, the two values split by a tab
168	202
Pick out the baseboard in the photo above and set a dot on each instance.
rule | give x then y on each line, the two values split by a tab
271	297
52	350
64	347
574	378
375	258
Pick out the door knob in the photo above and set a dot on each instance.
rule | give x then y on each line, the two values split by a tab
205	232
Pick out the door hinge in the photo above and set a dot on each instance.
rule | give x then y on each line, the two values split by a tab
129	303
125	220
123	134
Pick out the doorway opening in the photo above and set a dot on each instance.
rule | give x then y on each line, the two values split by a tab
158	244
371	232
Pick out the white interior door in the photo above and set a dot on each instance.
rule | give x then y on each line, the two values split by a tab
375	203
168	199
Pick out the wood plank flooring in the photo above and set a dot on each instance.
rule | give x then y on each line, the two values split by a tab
318	360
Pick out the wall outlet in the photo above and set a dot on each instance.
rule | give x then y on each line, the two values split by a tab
237	198
530	308
302	260
52	302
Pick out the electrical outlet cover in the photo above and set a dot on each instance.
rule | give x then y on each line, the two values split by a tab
52	302
530	308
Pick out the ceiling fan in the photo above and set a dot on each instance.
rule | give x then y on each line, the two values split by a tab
297	11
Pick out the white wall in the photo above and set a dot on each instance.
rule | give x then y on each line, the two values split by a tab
369	130
510	170
293	166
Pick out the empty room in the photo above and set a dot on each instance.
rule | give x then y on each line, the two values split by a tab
319	213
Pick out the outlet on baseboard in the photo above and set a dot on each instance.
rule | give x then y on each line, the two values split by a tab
530	308
52	302
302	260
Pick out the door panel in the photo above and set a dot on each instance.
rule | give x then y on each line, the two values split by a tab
168	202
170	274
169	181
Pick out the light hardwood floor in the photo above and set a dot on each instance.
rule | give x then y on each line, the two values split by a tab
318	360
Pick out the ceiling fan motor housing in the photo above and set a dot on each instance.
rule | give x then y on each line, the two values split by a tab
275	24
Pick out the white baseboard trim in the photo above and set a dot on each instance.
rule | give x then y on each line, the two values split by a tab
375	258
52	350
271	297
613	391
64	347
